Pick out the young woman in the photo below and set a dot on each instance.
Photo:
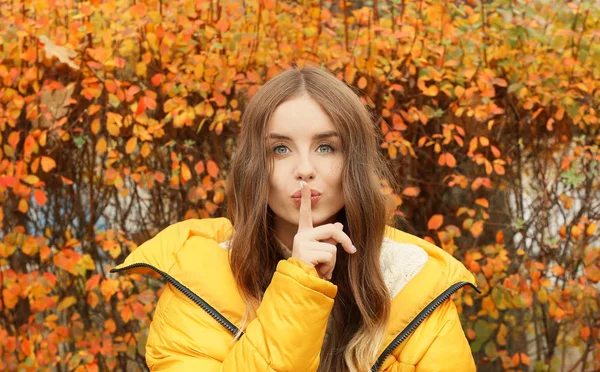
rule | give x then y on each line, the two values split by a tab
304	274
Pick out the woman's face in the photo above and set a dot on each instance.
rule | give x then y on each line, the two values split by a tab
300	153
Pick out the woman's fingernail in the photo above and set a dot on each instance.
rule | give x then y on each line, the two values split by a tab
353	248
301	185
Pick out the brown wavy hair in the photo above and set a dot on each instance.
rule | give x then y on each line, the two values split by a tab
362	305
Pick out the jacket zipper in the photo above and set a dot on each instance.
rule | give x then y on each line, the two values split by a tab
188	293
410	328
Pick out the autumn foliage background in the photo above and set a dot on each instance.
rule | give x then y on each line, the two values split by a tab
118	118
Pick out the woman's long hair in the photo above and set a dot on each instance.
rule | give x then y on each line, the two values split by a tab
361	308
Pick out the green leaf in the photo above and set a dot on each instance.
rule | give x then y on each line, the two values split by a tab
572	177
79	141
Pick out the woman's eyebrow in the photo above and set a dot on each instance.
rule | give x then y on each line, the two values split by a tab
317	136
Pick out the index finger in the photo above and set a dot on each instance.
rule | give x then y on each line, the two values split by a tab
305	221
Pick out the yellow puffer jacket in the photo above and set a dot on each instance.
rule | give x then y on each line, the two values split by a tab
194	322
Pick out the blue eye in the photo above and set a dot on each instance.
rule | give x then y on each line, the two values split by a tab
331	147
278	146
275	149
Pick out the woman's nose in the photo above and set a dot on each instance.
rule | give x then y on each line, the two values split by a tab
305	169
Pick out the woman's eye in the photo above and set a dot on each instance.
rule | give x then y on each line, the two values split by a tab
279	147
329	146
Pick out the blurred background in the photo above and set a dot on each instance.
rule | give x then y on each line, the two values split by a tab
119	117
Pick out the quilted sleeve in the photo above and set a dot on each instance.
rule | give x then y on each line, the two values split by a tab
286	335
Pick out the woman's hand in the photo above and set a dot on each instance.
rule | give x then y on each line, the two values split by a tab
316	246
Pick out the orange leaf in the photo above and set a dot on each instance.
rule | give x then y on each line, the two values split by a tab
576	232
110	326
222	25
585	333
495	151
48	164
126	313
66	180
362	82
199	167
499	169
92	282
435	222
40	197
186	174
477	228
483	202
411	191
131	145
159	176
156	79
471	334
558	270
212	168
92	299
450	160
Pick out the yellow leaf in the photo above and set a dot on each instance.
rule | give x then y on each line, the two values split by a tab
101	146
591	229
131	145
141	69
459	91
502	333
23	206
114	250
113	129
66	303
31	179
95	126
542	295
145	151
48	164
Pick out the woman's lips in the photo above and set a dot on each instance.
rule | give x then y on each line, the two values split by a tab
313	200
